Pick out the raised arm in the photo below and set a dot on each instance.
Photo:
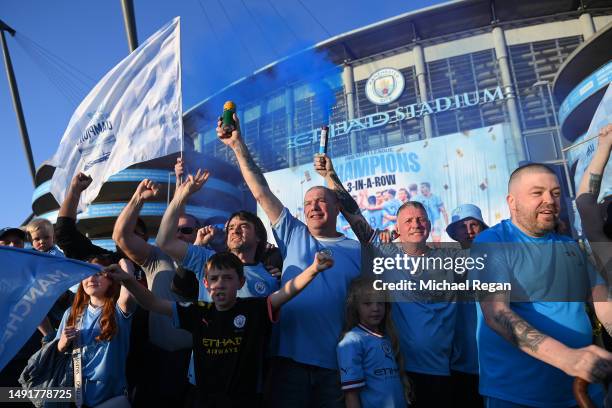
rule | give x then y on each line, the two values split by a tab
134	246
349	208
322	261
179	171
126	301
68	237
591	180
591	363
166	236
71	202
251	172
142	295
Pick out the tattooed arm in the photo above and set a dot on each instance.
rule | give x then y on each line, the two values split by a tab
591	363
591	180
348	206
602	303
251	172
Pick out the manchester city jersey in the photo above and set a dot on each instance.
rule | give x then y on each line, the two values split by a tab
367	363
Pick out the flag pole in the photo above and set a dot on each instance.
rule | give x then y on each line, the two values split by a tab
23	130
130	23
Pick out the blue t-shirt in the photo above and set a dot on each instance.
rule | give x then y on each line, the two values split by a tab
54	250
390	208
367	363
259	282
425	328
310	323
464	356
432	205
374	218
103	362
534	265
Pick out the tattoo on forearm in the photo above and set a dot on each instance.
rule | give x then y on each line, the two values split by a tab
362	230
251	166
349	207
594	183
346	201
518	331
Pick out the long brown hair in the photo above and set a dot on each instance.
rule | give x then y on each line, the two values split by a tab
360	290
108	324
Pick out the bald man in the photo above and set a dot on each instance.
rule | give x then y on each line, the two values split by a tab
530	350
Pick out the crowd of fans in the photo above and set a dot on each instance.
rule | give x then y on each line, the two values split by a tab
224	319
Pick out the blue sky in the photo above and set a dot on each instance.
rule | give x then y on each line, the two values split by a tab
64	46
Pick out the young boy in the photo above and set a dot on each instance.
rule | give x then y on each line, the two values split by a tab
229	333
41	234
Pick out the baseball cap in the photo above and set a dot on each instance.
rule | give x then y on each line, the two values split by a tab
12	230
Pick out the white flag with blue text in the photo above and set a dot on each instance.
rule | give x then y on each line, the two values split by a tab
133	114
30	284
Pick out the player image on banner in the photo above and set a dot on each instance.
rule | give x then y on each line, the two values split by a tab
441	173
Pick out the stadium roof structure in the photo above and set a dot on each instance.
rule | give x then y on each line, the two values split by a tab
585	59
443	22
451	19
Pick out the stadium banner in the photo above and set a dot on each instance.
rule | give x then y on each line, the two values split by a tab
133	114
442	173
28	289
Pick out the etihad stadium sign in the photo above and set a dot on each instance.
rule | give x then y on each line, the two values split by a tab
407	112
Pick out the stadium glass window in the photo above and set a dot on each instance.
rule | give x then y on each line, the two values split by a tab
534	62
466	73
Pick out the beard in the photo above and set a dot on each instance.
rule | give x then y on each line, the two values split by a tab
238	245
531	220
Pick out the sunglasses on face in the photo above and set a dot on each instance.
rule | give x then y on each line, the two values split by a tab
185	230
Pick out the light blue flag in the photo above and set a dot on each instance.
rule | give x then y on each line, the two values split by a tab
30	282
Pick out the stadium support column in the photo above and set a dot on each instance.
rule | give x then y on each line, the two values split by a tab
290	113
501	53
349	94
587	26
419	65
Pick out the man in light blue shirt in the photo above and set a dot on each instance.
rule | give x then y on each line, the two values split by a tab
306	374
534	339
425	326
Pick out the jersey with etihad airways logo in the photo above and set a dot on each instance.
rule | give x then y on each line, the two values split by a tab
367	363
228	345
258	281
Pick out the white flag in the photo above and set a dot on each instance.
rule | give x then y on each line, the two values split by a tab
133	114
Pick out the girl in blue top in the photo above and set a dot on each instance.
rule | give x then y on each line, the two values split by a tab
100	317
368	353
